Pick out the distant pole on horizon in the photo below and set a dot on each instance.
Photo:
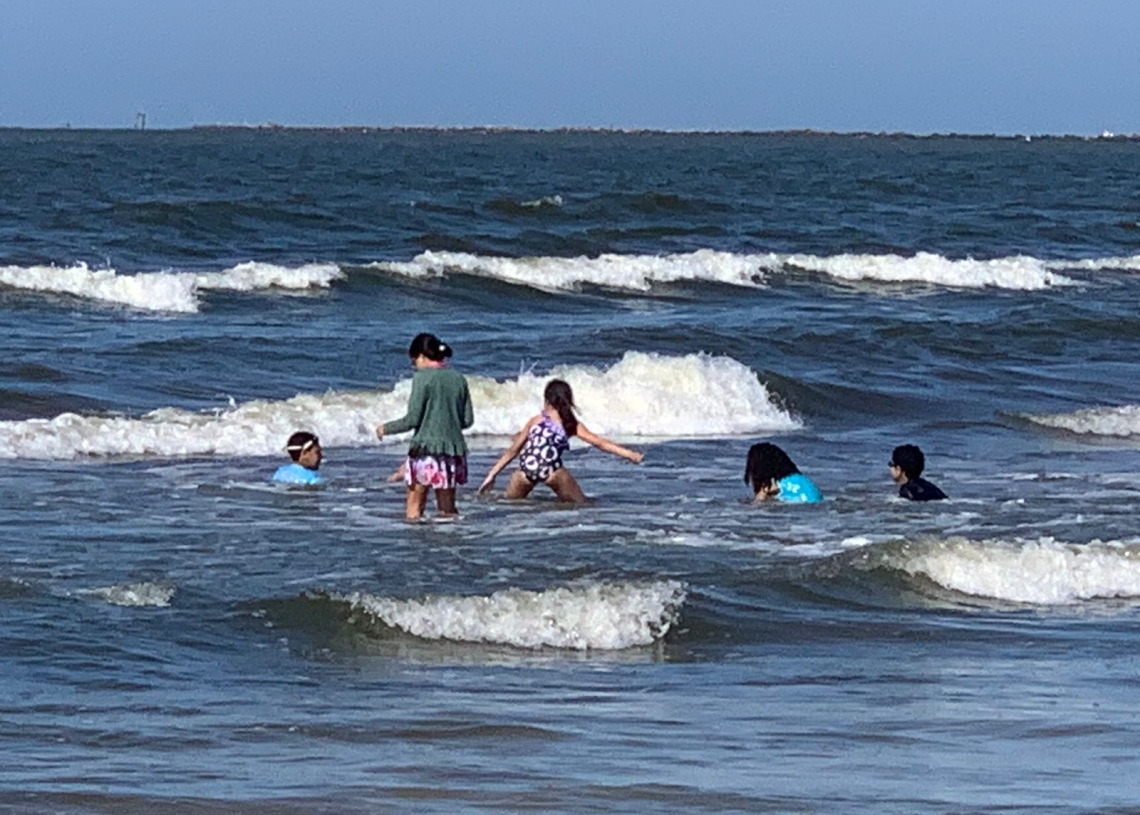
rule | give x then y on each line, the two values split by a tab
140	121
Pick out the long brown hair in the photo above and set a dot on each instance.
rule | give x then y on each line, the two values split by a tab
559	396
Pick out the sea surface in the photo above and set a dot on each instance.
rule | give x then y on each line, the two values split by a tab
179	635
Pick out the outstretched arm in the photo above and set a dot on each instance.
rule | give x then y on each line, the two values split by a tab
417	401
516	447
605	444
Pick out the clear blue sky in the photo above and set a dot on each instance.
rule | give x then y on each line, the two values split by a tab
978	66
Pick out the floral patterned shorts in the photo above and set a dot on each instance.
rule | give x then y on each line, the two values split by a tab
436	471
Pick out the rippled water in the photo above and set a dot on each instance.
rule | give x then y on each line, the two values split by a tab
181	635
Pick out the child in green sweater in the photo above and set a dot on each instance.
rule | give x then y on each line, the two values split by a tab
439	410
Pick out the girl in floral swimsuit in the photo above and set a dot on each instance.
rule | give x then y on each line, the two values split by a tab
541	443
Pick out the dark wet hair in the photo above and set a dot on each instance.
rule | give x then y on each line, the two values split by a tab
430	346
561	398
767	462
299	442
909	459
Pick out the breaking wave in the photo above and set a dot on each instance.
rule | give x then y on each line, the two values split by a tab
1039	572
645	395
1101	421
640	273
134	594
589	616
175	292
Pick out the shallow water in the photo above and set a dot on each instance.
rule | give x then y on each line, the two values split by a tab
181	634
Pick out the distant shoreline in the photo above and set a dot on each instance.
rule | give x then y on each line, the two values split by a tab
617	131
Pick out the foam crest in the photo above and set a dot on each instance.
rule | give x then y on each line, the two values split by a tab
1021	273
640	395
153	291
545	201
256	428
1104	421
135	594
626	272
252	276
1042	572
165	291
641	272
589	616
1117	264
696	395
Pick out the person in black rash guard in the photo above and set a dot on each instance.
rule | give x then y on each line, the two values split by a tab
907	463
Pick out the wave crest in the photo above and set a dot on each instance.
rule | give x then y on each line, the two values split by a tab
175	292
153	291
1101	421
1020	273
135	594
639	273
624	272
597	616
640	395
1039	572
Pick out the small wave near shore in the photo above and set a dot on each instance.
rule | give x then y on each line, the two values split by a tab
1117	422
588	616
1034	572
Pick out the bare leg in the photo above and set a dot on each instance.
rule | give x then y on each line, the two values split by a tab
417	500
445	502
519	486
565	487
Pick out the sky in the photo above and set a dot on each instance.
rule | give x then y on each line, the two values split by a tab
917	66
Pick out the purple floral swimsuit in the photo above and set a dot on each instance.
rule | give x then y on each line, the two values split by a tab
541	455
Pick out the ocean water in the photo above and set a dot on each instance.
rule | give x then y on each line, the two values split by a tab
179	635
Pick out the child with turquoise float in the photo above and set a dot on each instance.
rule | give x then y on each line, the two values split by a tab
772	475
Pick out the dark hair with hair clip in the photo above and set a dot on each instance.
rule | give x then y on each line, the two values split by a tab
430	346
909	459
559	396
766	463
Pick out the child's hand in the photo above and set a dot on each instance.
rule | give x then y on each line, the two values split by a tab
488	482
399	474
380	432
637	458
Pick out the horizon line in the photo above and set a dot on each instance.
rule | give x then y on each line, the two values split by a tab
362	128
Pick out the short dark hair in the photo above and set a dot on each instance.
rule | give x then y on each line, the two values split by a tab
909	459
767	462
299	442
430	346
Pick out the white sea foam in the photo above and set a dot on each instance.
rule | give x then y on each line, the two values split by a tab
601	616
641	272
545	201
640	395
628	272
1102	421
1123	264
164	291
1021	272
696	395
1043	572
156	291
135	594
253	276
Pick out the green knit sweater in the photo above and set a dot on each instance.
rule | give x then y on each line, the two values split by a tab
439	410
